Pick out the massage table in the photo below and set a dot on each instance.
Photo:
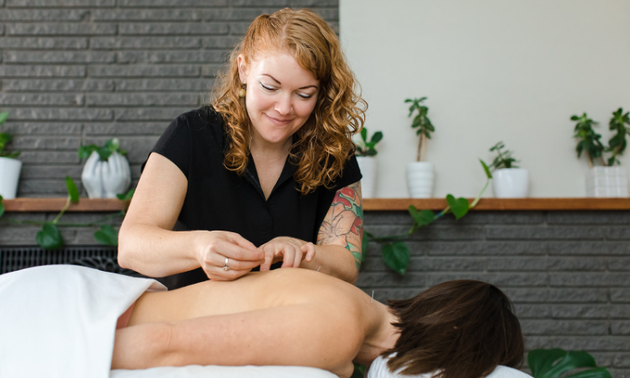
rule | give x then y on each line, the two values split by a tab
59	321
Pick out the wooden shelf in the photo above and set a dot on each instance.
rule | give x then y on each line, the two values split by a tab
369	204
56	204
385	204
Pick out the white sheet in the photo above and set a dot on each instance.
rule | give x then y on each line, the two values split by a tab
59	321
196	371
379	369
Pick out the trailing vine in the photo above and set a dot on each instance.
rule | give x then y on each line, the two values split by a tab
395	251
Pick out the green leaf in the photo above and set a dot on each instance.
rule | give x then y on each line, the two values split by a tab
541	360
458	206
126	196
359	371
106	235
599	372
572	360
486	169
85	151
73	192
1	207
49	237
553	363
423	217
377	137
371	152
104	153
364	134
3	117
396	256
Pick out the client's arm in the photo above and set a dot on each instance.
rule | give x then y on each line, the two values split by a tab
297	335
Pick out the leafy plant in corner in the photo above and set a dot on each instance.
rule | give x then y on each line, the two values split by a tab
395	251
555	363
5	139
368	148
504	159
589	140
422	122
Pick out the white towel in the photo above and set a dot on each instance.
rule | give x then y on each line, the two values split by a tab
60	320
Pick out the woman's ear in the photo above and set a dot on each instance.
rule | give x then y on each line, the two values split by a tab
242	68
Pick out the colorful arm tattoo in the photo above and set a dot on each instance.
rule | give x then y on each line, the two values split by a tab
343	224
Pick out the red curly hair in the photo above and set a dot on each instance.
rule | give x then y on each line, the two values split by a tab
323	144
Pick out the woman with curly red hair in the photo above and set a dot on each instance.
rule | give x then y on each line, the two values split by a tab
266	176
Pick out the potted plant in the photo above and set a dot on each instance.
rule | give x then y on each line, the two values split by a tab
365	154
606	178
10	167
509	181
420	174
106	172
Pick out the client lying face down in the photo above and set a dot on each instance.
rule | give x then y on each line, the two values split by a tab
299	317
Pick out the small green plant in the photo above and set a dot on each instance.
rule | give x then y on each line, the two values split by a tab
104	152
368	148
617	144
589	140
504	159
395	251
422	122
555	363
5	139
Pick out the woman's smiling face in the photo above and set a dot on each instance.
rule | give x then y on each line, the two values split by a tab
281	96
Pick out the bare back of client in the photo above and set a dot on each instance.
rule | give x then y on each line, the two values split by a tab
284	317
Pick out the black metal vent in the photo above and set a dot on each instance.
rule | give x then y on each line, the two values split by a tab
102	258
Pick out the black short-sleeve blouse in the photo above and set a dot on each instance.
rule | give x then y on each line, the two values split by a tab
220	199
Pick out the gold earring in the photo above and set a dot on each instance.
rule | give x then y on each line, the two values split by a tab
242	92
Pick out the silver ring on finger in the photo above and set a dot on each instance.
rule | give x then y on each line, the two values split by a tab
226	267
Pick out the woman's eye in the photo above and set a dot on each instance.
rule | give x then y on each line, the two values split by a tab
304	95
267	87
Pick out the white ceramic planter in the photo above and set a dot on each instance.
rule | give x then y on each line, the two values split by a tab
105	179
9	177
510	183
607	182
420	179
367	164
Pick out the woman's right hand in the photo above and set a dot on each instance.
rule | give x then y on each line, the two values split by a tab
214	247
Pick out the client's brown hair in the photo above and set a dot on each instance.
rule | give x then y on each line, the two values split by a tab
462	328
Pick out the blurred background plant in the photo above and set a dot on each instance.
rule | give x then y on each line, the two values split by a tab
504	159
589	141
6	138
422	122
365	148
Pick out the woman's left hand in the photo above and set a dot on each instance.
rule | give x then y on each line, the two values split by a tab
290	251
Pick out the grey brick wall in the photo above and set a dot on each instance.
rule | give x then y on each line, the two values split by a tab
568	273
83	71
571	288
